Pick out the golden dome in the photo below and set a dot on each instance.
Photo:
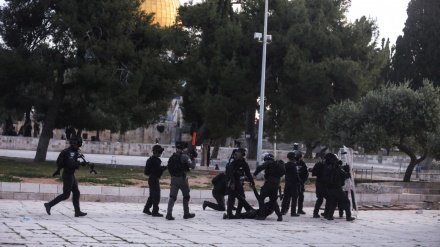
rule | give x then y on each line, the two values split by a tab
165	11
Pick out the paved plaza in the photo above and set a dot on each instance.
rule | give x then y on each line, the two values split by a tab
25	223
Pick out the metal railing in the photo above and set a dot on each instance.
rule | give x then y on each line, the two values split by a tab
363	173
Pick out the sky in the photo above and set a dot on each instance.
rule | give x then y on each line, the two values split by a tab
390	15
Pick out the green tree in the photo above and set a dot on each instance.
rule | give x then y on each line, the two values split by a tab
216	94
416	53
316	58
393	115
106	66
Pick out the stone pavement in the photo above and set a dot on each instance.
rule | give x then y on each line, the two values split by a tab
25	223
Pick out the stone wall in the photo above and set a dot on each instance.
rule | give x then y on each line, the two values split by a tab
367	194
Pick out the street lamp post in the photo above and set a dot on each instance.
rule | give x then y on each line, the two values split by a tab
263	82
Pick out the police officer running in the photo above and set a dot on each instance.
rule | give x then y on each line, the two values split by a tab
68	161
291	186
234	171
274	170
154	170
218	192
178	166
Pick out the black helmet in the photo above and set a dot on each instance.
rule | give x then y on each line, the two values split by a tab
76	141
158	149
268	157
181	145
331	158
241	150
295	155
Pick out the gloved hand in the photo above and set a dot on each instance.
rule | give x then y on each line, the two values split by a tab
57	172
251	183
346	168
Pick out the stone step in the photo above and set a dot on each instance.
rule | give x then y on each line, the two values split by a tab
421	191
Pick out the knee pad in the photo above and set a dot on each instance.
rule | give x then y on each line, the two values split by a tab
186	197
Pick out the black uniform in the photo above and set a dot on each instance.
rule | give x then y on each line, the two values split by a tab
291	188
156	171
69	159
218	192
303	176
333	178
321	189
274	170
236	169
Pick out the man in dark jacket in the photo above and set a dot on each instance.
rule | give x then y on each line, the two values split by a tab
274	170
333	176
320	189
303	174
154	170
218	192
234	171
291	186
68	161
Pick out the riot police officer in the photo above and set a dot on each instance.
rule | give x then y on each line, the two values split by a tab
333	177
234	171
154	170
274	170
291	186
303	174
218	192
68	162
320	189
178	166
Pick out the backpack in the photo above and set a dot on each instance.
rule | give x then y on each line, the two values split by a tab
280	167
328	172
147	169
276	169
61	159
174	165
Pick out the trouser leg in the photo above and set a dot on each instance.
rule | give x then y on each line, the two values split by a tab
231	202
75	195
155	196
185	192
220	206
300	198
67	189
294	200
174	189
286	200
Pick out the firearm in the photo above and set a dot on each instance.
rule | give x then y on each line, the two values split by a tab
85	162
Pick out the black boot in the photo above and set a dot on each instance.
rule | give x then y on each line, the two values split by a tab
157	215
205	204
188	216
80	214
46	205
350	218
147	211
169	217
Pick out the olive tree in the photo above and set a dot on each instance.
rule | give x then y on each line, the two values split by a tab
392	115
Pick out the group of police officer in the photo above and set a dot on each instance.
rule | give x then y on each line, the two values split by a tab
330	176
